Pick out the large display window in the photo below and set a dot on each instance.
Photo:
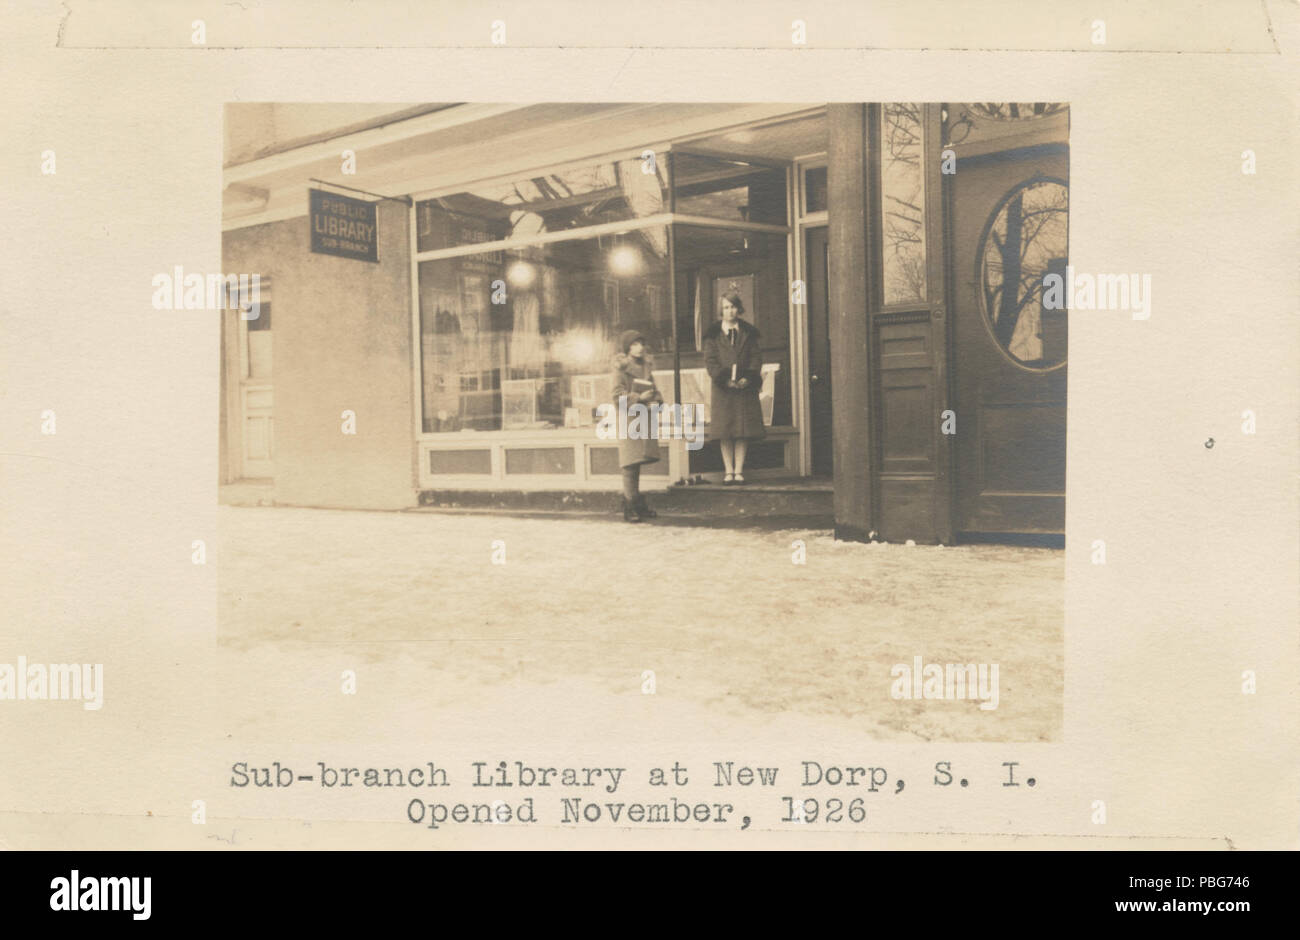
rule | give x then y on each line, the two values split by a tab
522	339
525	286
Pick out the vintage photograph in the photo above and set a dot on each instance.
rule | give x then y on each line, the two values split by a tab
649	431
774	391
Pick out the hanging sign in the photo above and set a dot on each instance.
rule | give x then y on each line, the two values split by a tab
343	226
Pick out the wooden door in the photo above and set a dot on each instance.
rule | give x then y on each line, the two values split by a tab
816	262
1009	221
256	391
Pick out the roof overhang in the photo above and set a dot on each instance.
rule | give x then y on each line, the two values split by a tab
456	146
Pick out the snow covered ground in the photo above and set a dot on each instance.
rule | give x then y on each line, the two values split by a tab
723	618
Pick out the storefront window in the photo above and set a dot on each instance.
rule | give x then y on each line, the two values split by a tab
729	189
523	338
902	187
557	201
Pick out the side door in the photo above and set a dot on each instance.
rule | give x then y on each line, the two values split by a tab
256	390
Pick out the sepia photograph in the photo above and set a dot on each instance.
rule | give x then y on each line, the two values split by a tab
819	368
732	427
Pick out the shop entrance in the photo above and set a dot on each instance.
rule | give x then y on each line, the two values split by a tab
1009	216
817	264
256	391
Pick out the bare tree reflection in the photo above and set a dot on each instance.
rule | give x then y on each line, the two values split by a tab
1028	236
903	198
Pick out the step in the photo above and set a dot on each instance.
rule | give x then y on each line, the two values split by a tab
813	503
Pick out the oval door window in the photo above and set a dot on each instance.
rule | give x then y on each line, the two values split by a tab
1025	242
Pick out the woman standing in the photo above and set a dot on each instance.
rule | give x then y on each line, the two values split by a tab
734	360
634	378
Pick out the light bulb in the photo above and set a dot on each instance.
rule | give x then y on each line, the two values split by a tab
521	274
624	260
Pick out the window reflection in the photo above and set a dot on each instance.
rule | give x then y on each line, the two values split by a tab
734	190
558	201
1027	239
523	339
815	191
902	186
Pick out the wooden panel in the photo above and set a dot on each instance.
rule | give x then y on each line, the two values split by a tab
894	347
1022	448
540	460
460	461
604	462
1034	513
906	422
907	509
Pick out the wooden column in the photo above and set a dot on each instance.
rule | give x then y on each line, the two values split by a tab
849	200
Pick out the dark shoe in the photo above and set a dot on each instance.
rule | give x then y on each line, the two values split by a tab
740	480
629	511
644	509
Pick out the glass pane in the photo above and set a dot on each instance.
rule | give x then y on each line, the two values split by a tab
720	188
254	303
253	299
902	187
524	338
259	354
1026	243
259	319
710	261
814	189
559	201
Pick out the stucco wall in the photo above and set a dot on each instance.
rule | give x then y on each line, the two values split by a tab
341	341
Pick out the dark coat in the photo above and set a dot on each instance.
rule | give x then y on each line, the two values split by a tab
735	413
633	451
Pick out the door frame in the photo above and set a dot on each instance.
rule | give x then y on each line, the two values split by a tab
800	359
938	222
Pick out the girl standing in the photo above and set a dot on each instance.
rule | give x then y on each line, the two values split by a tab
734	360
634	378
